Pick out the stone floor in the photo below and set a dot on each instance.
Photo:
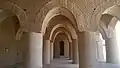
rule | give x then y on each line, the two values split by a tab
61	63
66	63
108	65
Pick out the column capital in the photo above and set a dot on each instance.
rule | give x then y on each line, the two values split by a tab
107	32
85	33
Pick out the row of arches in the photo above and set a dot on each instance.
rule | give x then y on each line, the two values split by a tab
54	25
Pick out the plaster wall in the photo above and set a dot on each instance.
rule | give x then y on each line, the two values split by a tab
8	45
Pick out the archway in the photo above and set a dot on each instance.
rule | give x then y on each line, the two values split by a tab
107	25
52	22
11	52
63	24
65	34
61	44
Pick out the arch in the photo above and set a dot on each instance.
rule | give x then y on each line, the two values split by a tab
98	12
104	11
105	18
109	16
68	27
112	12
52	9
19	34
17	11
5	14
58	31
101	29
50	15
107	32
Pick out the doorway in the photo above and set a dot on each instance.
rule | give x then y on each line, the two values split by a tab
61	48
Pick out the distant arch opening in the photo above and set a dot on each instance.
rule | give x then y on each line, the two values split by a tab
61	44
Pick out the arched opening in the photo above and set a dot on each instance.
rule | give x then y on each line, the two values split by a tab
10	51
61	44
66	35
57	23
110	33
52	24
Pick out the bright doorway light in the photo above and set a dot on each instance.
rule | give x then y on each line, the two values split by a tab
103	47
117	28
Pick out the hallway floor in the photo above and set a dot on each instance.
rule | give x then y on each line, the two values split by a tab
61	63
66	63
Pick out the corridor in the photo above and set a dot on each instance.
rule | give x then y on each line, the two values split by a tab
48	33
61	63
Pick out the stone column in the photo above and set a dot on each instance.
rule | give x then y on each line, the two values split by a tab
75	51
66	49
33	58
51	50
87	50
56	50
46	52
112	51
70	50
109	34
